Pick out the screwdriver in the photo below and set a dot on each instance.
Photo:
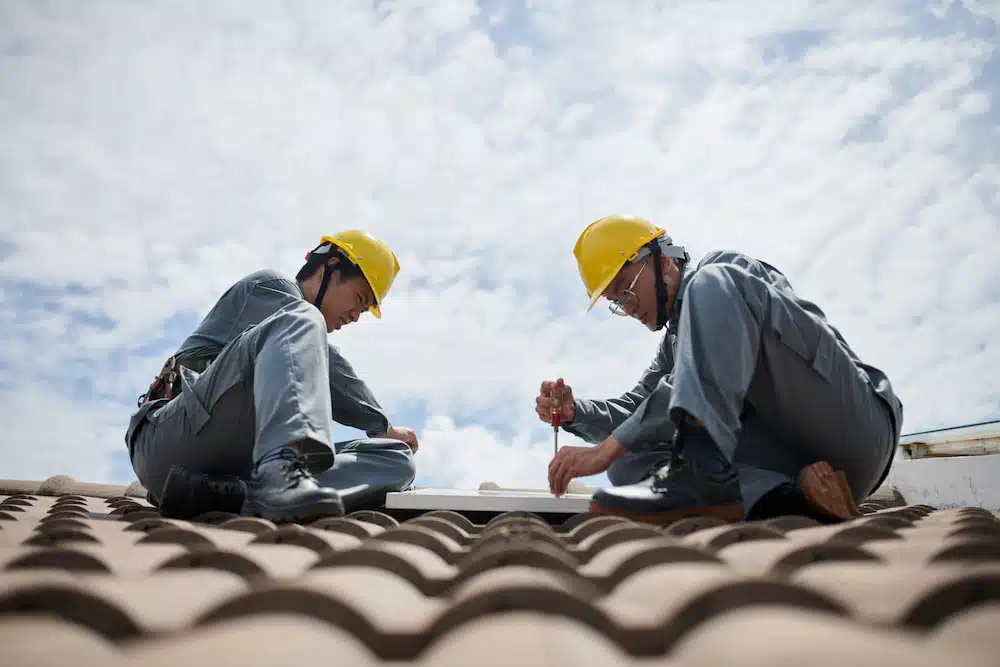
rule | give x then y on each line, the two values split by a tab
556	415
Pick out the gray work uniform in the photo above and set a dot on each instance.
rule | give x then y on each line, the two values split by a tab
775	385
597	420
258	373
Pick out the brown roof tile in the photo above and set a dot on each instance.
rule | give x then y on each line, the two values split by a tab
91	575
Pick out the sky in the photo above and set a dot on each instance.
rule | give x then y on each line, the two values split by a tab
153	153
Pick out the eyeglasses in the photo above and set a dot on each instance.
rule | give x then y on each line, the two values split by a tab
627	300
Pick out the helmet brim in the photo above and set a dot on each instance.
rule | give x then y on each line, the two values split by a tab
599	292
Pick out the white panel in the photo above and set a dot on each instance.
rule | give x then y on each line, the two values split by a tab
965	481
487	501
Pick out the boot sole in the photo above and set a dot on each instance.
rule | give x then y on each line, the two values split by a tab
827	491
294	514
727	513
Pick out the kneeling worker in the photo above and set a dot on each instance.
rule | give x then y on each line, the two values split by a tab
754	405
240	418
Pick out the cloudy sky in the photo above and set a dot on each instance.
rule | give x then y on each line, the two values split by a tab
153	152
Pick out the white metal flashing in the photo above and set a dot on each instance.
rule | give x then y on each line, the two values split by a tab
959	481
974	440
501	500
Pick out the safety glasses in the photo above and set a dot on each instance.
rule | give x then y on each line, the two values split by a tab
627	300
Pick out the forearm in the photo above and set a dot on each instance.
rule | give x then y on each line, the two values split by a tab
596	420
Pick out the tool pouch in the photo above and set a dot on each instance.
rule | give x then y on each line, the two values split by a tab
166	385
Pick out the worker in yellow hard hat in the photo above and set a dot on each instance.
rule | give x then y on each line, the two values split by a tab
753	406
240	417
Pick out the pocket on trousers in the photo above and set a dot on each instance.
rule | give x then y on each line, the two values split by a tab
137	421
804	336
201	391
826	348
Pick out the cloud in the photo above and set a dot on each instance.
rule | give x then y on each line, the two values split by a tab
154	153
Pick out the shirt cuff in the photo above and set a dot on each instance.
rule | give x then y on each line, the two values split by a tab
581	413
379	430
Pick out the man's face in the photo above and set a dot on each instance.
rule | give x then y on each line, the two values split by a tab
633	293
345	301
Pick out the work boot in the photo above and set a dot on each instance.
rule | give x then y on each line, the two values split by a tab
281	489
698	481
187	494
819	493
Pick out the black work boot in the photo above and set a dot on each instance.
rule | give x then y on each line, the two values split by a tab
698	481
281	489
187	494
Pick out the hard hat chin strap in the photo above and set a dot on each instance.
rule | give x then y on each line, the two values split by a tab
323	284
661	287
321	253
663	247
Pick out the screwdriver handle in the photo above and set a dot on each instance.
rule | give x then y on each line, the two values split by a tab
556	415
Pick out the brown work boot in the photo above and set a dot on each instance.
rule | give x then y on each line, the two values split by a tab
827	491
821	493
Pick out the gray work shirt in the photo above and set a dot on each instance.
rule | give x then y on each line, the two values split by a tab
640	418
247	303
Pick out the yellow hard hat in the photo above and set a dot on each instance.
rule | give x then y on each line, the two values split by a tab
606	245
376	260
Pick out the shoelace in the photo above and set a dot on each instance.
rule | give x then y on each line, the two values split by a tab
677	461
228	487
295	468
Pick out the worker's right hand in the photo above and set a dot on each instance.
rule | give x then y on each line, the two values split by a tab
404	433
555	394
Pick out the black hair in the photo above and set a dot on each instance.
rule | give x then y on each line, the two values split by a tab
345	268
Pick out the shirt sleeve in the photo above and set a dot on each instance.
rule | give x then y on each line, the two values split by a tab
596	420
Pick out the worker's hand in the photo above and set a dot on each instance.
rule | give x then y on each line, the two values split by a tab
555	394
404	433
571	462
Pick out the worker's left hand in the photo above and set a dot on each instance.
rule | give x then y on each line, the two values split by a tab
406	434
571	462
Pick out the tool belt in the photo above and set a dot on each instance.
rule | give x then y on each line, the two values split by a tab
167	384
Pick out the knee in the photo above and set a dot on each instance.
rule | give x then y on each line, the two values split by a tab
715	278
302	314
299	319
635	467
717	289
395	454
405	462
407	469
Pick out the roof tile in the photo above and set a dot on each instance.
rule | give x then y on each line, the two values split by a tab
96	577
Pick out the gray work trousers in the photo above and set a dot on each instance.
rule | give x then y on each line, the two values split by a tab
634	467
774	387
267	388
